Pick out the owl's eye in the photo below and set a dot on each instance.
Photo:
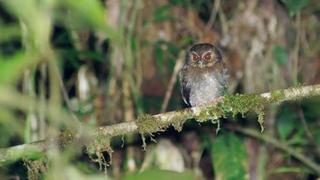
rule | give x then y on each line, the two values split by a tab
207	56
195	57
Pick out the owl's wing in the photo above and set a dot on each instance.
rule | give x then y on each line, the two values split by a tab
184	86
222	75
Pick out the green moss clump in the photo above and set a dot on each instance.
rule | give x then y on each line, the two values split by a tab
234	104
277	95
66	138
36	168
211	112
148	124
244	103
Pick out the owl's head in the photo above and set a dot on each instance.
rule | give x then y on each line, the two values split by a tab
203	55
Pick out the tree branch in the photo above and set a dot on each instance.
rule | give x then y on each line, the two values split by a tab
148	124
299	156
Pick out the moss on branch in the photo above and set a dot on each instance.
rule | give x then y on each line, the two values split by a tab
148	124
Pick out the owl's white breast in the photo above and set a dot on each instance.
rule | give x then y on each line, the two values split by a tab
204	89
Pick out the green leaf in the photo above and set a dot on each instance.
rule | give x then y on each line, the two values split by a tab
294	6
92	13
311	108
9	126
160	175
12	67
298	138
9	32
229	157
286	122
280	55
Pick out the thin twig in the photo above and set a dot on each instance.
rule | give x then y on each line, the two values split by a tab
308	132
296	50
214	12
299	156
172	81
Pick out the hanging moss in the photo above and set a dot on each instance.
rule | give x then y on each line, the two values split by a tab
36	168
66	138
179	120
234	104
260	113
148	124
97	147
212	113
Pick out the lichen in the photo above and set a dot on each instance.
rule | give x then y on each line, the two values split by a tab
211	113
179	120
242	103
148	124
217	121
260	118
35	168
276	96
97	147
235	104
66	138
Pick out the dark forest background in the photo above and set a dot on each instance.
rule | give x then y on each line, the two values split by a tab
106	62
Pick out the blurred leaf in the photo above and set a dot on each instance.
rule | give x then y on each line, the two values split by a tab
294	6
286	122
311	108
9	31
8	126
160	175
11	67
162	13
92	13
35	21
298	138
280	55
229	157
71	56
317	137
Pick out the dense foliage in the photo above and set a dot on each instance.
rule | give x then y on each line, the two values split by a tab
102	62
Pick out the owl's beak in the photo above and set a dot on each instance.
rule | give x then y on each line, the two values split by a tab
200	63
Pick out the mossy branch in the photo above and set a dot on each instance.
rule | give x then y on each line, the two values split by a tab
148	124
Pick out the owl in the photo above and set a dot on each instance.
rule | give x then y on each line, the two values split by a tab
203	77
